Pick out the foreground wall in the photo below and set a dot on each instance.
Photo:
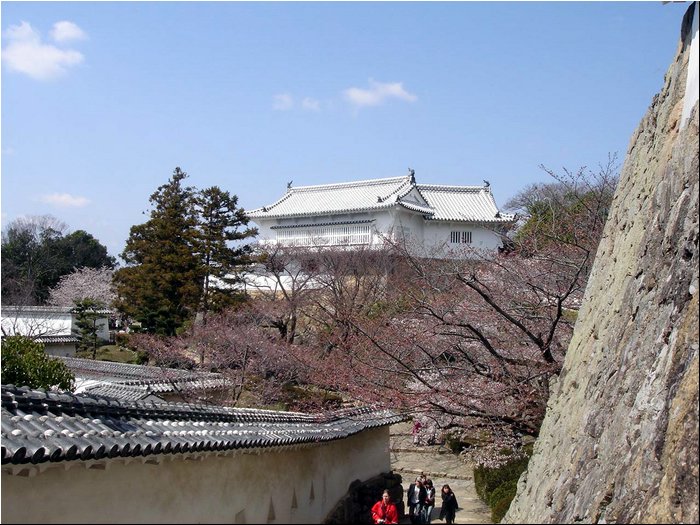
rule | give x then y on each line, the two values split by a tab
619	443
300	485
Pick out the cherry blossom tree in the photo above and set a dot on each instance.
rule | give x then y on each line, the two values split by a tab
471	341
281	285
252	359
84	283
467	341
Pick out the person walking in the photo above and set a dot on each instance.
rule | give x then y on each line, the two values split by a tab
416	432
384	511
415	495
449	505
429	504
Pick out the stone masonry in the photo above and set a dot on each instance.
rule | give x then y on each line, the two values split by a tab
619	443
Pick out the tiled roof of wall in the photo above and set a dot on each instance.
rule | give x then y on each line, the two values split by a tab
55	339
119	391
129	382
14	309
95	369
40	426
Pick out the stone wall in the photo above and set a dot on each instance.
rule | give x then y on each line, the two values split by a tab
619	443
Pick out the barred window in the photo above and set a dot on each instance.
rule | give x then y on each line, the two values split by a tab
336	235
460	237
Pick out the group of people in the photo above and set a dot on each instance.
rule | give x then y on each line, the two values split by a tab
421	502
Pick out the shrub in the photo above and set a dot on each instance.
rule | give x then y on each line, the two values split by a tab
497	486
24	363
122	339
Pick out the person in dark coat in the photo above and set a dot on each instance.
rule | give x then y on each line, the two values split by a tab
449	505
416	499
429	502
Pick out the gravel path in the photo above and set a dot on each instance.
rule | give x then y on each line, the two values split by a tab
440	465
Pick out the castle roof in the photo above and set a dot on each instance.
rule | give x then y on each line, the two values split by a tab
458	203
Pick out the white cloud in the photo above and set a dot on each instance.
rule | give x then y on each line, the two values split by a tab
64	31
64	200
25	53
311	104
377	94
282	102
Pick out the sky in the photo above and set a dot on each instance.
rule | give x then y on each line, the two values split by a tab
102	100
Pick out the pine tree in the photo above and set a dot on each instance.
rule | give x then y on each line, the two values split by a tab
161	285
173	257
221	223
86	324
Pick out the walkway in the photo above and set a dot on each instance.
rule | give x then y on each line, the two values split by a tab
440	465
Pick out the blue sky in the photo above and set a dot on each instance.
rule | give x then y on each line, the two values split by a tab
102	100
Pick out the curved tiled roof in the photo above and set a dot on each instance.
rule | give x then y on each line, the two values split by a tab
95	369
451	203
120	391
129	382
345	197
462	203
55	339
42	426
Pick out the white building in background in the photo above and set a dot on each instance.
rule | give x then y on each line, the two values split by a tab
55	326
366	213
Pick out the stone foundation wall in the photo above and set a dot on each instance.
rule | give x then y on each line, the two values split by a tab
619	442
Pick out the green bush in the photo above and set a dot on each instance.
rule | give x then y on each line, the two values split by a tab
24	363
499	509
121	339
455	444
497	486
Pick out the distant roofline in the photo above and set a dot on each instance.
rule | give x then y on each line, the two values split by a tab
52	309
364	182
448	187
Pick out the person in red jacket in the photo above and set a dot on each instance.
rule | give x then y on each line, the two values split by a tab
384	511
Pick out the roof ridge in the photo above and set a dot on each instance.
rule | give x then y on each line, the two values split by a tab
364	182
450	187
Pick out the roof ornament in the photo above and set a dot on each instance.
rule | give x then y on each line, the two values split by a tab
379	198
486	183
264	208
498	215
412	175
289	185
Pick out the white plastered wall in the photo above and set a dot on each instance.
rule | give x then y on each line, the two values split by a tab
300	485
36	322
437	234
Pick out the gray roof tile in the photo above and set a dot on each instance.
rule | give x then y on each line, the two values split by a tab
450	203
135	382
40	426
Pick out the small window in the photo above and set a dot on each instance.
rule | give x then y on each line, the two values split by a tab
461	237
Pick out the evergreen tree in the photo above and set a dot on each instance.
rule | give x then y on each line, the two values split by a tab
36	254
221	222
160	287
86	317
